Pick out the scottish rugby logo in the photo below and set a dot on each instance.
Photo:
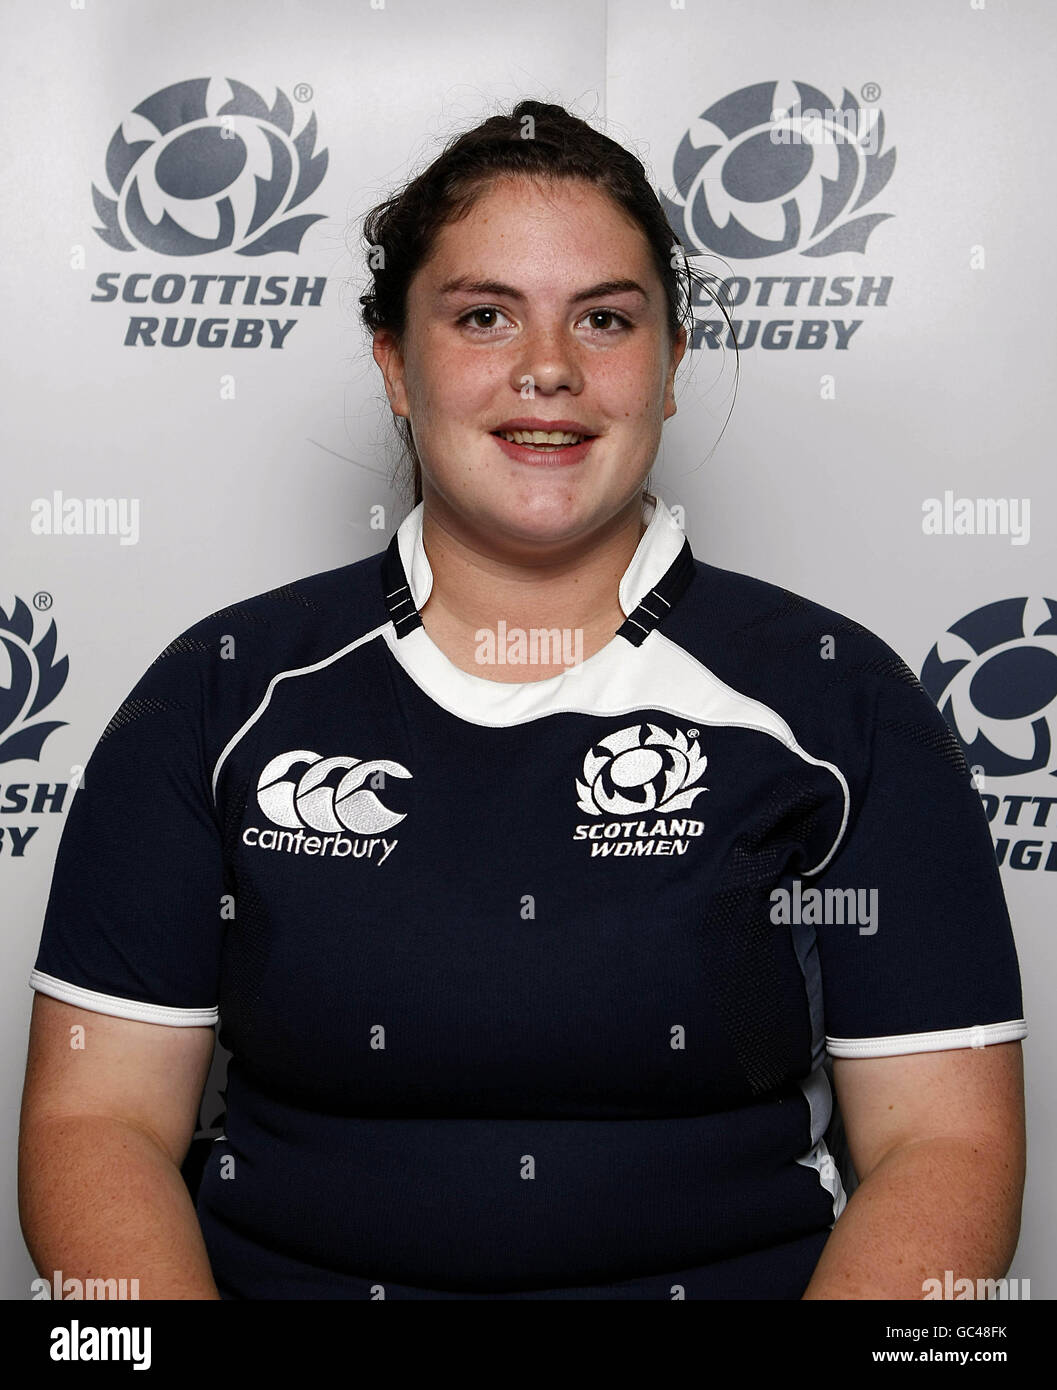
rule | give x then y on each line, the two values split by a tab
34	678
993	675
754	164
207	165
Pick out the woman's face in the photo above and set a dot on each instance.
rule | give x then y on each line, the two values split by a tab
516	317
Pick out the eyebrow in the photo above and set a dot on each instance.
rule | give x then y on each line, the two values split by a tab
466	284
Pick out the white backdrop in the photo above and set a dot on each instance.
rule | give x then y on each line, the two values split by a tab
234	468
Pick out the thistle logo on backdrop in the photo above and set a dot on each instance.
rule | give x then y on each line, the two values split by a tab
780	170
993	675
30	679
207	168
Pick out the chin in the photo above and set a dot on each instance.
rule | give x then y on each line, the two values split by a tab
553	519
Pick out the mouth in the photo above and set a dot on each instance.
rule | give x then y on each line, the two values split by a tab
543	439
542	442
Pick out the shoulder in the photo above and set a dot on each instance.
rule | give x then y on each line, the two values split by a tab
302	618
768	633
212	674
750	610
834	681
311	608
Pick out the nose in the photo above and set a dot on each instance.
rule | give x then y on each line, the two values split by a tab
549	359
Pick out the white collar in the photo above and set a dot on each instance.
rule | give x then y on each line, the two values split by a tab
658	547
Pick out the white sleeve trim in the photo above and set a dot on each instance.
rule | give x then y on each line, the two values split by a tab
121	1008
981	1035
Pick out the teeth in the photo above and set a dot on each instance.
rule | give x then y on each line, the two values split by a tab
540	437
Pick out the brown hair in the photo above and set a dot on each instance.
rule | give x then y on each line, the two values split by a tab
535	139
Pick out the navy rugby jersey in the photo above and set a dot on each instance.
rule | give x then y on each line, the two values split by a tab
531	989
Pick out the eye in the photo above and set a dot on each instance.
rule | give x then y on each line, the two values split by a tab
484	309
609	314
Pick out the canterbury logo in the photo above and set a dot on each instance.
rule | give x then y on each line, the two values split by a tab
641	768
302	788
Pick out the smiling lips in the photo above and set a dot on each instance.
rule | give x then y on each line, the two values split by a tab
556	448
531	441
553	439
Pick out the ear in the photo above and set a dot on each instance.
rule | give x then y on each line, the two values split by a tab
678	349
389	357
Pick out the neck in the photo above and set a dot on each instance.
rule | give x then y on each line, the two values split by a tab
479	581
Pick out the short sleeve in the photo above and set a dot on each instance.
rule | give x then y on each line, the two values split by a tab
133	924
915	945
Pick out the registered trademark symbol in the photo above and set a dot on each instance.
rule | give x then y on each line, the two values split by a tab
303	92
871	91
692	733
42	600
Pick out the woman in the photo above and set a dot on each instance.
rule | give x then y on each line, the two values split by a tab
512	958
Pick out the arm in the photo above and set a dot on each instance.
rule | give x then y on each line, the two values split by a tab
939	1143
103	1132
